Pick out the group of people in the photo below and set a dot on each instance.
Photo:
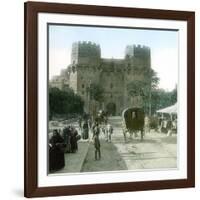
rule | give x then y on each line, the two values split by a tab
168	125
94	128
62	142
66	140
107	129
71	136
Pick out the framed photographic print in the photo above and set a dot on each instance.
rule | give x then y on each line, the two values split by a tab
109	99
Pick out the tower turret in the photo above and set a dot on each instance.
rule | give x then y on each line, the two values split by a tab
85	53
139	54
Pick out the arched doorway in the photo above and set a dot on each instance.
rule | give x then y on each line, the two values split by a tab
111	108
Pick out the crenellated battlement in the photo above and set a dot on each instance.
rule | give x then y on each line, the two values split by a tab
139	46
137	51
140	55
87	66
86	43
85	52
141	50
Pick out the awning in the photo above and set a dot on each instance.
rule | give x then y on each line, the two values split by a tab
170	110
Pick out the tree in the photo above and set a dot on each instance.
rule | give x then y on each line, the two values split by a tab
154	81
161	99
96	92
64	102
144	87
174	95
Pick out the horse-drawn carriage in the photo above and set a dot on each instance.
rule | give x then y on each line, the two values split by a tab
133	121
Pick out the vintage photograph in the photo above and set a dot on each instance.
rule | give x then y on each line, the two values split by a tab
112	99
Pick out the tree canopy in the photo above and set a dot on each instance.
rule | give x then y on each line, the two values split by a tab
162	99
64	102
96	92
143	87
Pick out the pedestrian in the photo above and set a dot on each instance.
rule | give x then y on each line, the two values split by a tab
103	129
97	144
93	126
67	138
164	125
109	132
85	130
90	123
169	127
160	123
80	122
56	152
174	125
73	140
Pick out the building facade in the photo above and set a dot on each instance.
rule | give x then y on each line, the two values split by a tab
113	75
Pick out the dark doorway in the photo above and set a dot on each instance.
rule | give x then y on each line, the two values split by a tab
111	109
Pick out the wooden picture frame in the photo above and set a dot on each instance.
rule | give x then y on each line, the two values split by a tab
31	188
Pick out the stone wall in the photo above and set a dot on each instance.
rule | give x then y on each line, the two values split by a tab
85	53
113	75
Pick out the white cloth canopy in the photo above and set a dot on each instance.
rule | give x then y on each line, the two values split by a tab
170	110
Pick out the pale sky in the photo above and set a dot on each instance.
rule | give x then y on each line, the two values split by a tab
163	44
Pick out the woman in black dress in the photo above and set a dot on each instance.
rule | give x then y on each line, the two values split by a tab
56	152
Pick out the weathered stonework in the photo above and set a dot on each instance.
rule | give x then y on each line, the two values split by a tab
113	75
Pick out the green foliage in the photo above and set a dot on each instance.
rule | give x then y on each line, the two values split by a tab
154	79
137	88
143	87
64	102
174	96
161	99
96	92
153	98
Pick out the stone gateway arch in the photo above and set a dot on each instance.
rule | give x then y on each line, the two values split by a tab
113	75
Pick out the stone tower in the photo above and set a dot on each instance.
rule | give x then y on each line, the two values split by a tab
85	53
113	75
138	62
85	62
139	55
